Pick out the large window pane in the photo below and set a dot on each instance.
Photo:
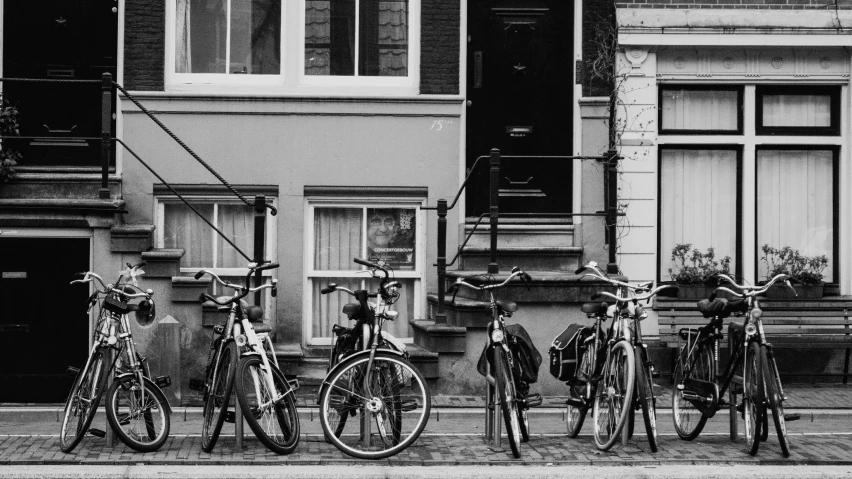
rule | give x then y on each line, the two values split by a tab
182	228
797	110
237	222
337	238
698	202
795	205
327	308
689	109
255	37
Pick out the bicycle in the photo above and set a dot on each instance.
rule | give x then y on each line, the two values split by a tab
504	383
240	359
698	389
372	378
136	408
626	374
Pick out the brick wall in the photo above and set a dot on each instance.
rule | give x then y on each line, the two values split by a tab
144	44
439	46
751	4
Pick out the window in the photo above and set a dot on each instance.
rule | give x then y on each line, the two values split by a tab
785	110
339	232
179	227
700	110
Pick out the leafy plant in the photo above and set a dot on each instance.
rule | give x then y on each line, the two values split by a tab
786	260
693	266
8	127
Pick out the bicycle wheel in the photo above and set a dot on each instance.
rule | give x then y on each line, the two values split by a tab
646	396
752	397
688	420
508	402
577	414
524	423
83	400
217	396
138	413
358	405
271	414
773	395
614	395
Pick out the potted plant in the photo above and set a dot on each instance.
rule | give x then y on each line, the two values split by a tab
8	127
805	270
694	270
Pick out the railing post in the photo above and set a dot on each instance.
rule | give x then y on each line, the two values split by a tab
259	237
441	316
106	127
493	267
611	200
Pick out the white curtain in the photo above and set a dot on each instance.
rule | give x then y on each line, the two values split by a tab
182	228
699	109
795	205
698	203
237	223
183	44
797	110
327	308
337	238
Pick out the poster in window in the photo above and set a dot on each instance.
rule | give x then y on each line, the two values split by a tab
391	237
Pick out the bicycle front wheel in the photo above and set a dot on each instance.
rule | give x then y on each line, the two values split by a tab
82	402
508	402
773	395
753	397
138	413
373	410
220	386
614	395
646	398
271	414
695	366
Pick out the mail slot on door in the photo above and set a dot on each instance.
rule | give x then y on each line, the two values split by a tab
14	328
519	131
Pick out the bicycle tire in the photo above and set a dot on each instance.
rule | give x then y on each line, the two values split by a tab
344	394
217	396
646	398
773	395
575	416
614	395
127	416
524	423
688	420
93	375
508	402
752	397
275	423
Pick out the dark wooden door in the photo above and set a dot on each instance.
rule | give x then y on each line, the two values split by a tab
59	40
43	322
519	88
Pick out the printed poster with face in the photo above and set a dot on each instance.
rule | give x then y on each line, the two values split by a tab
391	236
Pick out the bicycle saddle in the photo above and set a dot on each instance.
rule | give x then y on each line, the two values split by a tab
254	313
595	308
507	306
721	307
351	309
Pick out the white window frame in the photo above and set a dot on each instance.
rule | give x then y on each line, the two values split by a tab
270	243
175	79
312	274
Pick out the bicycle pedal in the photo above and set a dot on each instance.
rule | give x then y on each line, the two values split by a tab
72	371
97	432
197	385
532	400
792	417
294	384
231	417
163	381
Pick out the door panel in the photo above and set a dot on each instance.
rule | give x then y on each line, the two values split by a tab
43	322
520	90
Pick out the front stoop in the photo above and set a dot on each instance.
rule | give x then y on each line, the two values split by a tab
162	263
186	289
554	258
131	238
439	338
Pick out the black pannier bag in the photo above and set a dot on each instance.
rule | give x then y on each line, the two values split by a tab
527	359
567	350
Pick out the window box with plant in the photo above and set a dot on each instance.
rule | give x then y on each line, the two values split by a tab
806	271
694	269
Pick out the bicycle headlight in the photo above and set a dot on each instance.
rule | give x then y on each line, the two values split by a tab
497	335
146	312
241	340
750	329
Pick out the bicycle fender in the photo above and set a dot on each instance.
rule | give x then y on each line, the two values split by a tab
151	385
365	352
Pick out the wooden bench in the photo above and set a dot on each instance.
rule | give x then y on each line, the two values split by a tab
789	324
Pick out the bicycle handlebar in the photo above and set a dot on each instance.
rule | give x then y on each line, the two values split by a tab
750	291
641	297
516	273
108	288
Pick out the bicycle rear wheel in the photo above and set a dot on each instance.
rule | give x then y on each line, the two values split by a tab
688	420
83	400
375	413
646	396
773	394
271	414
220	386
614	395
138	413
753	398
508	402
577	414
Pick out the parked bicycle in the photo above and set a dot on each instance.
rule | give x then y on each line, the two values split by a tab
241	354
136	409
624	381
699	389
509	391
372	379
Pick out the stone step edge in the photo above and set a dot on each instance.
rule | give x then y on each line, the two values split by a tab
524	250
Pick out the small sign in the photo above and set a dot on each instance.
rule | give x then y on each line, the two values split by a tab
14	275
